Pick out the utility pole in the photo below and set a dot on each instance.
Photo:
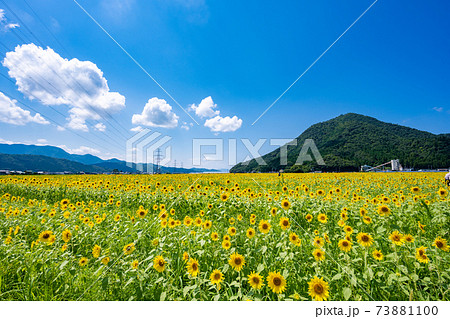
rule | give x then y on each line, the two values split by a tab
175	166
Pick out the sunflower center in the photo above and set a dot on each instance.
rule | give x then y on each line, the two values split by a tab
318	289
439	244
45	236
194	267
256	280
277	281
238	261
365	238
265	226
285	223
344	243
217	276
161	263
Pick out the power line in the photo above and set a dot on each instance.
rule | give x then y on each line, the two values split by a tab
45	89
76	81
48	118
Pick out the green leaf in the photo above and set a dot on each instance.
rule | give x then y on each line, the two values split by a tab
163	296
105	283
347	293
336	277
260	268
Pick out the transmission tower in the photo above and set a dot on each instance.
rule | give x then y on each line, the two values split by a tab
157	160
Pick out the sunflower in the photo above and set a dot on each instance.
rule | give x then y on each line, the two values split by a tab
96	251
250	233
318	242
396	238
285	204
318	289
322	218
309	217
264	226
159	263
135	264
237	261
441	243
294	239
367	219
105	260
284	223
383	210
341	223
345	245
442	192
66	235
348	229
83	261
185	256
415	190
193	267
408	238
422	227
273	212
198	222
128	249
46	236
224	197
215	236
364	239
207	224
141	213
378	255
226	244
276	282
216	277
255	280
187	221
318	254
232	231
421	255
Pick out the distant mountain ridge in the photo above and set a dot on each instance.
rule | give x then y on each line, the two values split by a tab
21	157
351	140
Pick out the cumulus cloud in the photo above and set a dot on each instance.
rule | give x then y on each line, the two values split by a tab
224	124
156	113
100	127
136	129
12	114
42	140
82	150
438	109
77	84
5	25
205	108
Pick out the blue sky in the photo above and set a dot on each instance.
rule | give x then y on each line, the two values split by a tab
392	64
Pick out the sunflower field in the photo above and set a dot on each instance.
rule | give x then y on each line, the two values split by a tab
346	236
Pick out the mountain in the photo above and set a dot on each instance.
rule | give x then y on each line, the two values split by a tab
351	140
46	150
23	162
48	159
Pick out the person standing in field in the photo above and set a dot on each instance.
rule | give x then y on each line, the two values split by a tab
447	178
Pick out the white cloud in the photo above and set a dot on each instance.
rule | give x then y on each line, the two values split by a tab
224	124
156	113
12	114
205	108
80	150
136	129
77	84
60	128
4	24
100	127
42	140
438	109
